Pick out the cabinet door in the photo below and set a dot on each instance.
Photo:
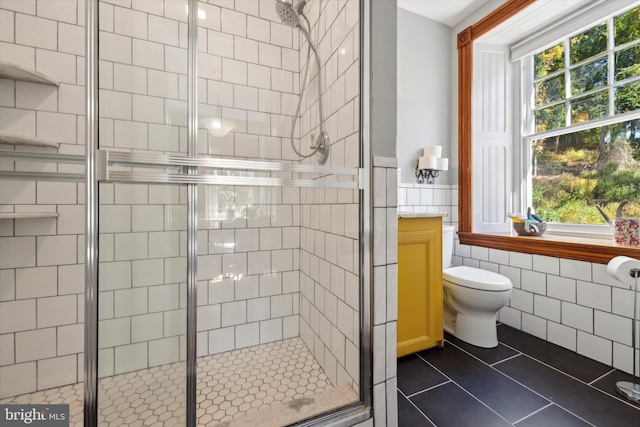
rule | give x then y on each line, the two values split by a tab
419	291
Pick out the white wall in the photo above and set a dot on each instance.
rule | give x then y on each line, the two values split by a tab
424	92
383	78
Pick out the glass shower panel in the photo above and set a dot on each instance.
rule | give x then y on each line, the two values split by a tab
143	75
142	304
277	309
278	266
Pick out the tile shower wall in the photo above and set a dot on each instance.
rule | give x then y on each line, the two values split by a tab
329	262
249	239
142	270
41	270
249	257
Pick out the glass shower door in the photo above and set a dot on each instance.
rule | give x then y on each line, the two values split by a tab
142	304
278	267
142	271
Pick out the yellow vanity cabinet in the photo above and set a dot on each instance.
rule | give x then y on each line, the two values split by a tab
420	324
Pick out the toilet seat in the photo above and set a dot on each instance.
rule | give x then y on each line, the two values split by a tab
475	278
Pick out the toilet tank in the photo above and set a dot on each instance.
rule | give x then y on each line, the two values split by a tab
447	245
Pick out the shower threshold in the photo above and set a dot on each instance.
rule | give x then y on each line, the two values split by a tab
272	384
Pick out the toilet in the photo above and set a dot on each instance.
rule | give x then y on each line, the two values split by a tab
472	297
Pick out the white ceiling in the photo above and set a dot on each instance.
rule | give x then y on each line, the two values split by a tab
541	14
448	12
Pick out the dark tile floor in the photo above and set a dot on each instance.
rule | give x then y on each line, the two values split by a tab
524	382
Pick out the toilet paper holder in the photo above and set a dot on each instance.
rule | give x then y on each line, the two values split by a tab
629	389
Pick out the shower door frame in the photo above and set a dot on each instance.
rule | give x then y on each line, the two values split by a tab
97	170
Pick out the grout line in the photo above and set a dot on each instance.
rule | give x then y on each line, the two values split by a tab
533	413
526	387
576	379
414	405
466	391
504	374
427	389
554	404
529	388
601	376
504	360
480	360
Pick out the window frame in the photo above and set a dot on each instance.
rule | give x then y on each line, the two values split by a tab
528	83
578	247
529	80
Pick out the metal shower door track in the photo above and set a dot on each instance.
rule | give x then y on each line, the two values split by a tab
108	160
148	159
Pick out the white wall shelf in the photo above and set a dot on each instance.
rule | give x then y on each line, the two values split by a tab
17	72
28	215
18	140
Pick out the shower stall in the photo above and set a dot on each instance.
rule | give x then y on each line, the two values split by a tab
209	264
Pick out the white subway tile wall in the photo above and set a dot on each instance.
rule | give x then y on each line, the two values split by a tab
422	198
384	291
574	304
41	276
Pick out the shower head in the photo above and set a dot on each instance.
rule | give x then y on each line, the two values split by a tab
289	14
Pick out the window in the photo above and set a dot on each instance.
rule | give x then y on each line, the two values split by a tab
583	123
577	247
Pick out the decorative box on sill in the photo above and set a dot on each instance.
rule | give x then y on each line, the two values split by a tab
430	164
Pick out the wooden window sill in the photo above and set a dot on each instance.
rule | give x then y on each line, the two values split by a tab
556	245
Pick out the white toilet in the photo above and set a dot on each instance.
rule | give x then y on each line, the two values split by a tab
472	297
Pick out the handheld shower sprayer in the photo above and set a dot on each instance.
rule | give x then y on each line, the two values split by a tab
290	15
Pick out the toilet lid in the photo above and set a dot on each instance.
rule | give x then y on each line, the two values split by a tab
476	278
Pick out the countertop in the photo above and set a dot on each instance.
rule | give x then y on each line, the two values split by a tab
402	214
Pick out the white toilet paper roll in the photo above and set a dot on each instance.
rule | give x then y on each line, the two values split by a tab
427	162
432	150
442	164
619	268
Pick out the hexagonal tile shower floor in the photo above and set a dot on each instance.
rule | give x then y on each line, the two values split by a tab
271	384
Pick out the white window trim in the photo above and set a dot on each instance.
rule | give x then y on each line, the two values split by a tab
574	23
527	94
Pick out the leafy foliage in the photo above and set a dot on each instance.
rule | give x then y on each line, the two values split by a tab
627	27
588	44
549	61
571	183
575	171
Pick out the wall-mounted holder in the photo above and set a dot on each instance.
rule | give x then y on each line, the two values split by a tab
430	164
429	174
618	268
631	390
